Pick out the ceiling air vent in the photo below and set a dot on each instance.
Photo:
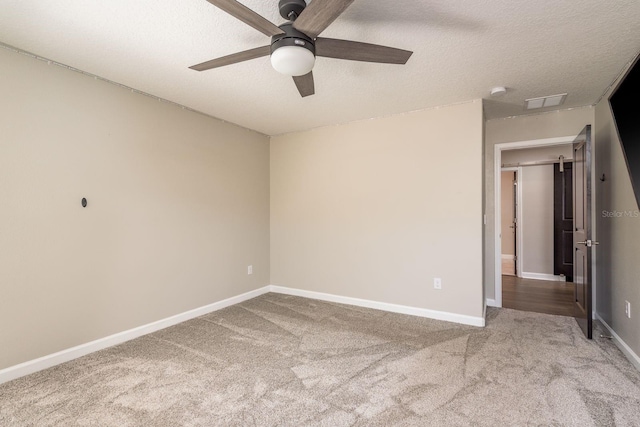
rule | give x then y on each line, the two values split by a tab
545	101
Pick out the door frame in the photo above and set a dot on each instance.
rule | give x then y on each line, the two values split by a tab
497	202
518	201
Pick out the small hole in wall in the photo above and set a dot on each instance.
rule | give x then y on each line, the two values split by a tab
84	202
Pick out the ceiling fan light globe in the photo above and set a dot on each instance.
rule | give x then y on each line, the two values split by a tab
292	60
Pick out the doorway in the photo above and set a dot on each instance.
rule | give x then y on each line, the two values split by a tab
538	180
534	284
583	230
509	223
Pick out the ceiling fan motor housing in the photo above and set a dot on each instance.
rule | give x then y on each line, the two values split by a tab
292	37
292	53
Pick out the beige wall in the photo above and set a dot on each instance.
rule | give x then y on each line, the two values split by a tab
537	219
523	128
376	209
618	270
178	207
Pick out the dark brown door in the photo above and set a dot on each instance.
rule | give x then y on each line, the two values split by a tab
563	220
582	230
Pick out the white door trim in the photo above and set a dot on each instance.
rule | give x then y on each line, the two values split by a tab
497	168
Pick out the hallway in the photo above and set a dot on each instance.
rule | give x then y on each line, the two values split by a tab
540	296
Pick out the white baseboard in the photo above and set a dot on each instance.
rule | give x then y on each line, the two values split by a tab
542	276
50	360
394	308
492	303
624	348
69	354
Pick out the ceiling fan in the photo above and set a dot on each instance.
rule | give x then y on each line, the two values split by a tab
295	44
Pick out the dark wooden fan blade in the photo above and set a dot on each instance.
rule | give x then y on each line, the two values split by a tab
248	16
318	15
305	84
233	58
357	51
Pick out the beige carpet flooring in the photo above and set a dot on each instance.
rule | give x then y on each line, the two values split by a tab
279	360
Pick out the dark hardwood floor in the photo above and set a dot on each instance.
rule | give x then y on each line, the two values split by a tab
541	296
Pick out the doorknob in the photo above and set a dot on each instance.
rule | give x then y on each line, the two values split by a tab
588	243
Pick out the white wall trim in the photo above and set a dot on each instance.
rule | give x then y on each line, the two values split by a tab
66	355
394	308
491	302
69	354
497	190
624	348
543	276
532	143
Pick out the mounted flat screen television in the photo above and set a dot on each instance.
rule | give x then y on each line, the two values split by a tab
626	112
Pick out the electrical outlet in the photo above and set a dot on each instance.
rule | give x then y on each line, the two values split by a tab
627	309
250	269
437	283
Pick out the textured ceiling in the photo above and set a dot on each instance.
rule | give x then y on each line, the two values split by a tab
462	48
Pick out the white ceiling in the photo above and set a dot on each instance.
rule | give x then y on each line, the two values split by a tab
462	48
